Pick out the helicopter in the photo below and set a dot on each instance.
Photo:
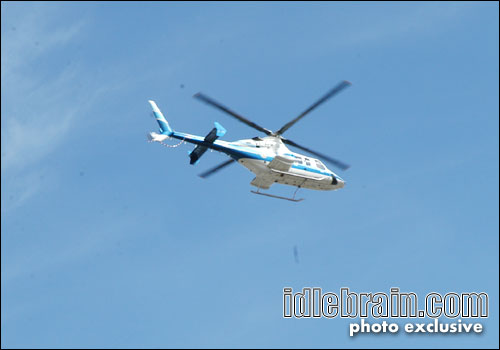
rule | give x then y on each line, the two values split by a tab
268	157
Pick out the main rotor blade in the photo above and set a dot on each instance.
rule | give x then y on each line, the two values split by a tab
219	106
216	168
328	95
331	160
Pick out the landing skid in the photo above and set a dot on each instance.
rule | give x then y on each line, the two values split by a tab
279	197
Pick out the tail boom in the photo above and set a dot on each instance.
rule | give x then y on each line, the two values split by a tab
202	143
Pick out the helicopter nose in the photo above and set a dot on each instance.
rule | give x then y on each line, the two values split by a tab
337	182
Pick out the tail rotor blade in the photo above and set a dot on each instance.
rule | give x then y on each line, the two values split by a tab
216	168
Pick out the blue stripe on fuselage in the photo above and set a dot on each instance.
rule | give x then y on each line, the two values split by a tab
236	151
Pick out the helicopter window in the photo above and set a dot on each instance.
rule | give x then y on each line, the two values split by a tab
298	161
319	165
307	162
256	138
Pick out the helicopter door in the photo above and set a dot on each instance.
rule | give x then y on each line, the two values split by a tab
281	163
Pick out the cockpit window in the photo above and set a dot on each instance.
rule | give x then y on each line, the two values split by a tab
257	138
319	165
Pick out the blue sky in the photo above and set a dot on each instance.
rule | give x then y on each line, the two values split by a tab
109	241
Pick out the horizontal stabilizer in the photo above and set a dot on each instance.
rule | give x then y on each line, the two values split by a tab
196	154
213	135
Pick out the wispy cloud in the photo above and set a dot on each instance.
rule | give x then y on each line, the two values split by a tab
90	238
36	112
39	109
21	188
31	34
32	126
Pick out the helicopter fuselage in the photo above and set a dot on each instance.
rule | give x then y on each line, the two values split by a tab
267	157
272	162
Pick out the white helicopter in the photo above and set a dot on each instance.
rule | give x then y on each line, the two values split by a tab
267	157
